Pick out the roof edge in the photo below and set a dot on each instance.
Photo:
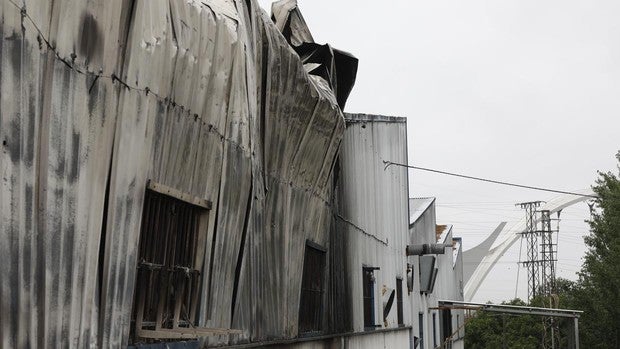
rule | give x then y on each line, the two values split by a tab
411	224
358	117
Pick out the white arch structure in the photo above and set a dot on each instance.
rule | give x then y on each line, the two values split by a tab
507	237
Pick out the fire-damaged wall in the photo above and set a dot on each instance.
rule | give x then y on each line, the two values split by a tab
97	98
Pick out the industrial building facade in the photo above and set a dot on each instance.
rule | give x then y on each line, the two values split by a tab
181	173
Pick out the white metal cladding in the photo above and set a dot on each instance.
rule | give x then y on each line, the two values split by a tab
205	97
373	209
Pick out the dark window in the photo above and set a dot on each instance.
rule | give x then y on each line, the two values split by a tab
399	301
369	297
421	329
446	325
434	330
169	262
312	289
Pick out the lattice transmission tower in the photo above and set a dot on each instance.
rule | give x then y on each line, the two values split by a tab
541	264
548	254
530	234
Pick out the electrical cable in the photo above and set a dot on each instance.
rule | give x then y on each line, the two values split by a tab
389	163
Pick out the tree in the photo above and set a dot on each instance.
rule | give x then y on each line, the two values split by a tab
495	331
598	291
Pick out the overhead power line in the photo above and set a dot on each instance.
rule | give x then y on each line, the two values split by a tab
389	163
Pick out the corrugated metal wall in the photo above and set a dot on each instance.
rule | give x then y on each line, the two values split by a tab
207	97
373	210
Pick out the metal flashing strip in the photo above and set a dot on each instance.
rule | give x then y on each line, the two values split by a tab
177	194
355	118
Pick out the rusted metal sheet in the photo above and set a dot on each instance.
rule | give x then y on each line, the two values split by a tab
207	98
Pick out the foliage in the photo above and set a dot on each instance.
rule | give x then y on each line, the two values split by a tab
597	292
495	331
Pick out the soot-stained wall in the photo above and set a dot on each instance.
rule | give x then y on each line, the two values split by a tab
207	97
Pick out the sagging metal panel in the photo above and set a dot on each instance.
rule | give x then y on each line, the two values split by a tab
207	98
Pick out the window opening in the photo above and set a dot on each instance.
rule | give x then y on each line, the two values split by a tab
434	330
312	289
368	277
421	329
399	301
169	263
446	326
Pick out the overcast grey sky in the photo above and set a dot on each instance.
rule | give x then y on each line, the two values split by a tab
517	90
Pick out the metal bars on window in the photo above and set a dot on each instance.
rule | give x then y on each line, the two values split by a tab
168	280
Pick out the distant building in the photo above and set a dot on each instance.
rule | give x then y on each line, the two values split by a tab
436	277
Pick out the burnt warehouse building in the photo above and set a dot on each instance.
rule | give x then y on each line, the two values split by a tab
180	173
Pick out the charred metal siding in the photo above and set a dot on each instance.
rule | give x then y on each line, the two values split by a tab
205	97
